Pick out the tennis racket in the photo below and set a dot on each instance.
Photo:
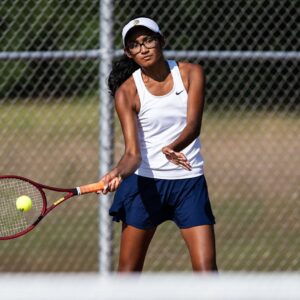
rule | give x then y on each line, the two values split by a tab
14	222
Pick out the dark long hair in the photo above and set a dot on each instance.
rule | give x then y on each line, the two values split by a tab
122	69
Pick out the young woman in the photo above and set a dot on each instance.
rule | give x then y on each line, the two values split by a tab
160	175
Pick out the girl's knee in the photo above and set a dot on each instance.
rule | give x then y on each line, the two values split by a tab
128	267
205	265
130	264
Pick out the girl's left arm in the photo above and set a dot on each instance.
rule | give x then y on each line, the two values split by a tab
195	105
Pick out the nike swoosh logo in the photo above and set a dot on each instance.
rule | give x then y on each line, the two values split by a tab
177	93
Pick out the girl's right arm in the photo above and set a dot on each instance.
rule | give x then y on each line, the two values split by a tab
125	104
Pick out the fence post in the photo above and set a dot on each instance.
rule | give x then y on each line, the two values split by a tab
106	133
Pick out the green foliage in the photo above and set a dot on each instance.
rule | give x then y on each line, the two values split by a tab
46	26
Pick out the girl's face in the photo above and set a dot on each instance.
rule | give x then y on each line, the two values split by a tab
144	46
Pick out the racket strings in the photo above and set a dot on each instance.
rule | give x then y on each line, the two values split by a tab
12	220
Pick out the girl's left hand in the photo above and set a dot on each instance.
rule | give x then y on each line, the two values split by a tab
177	158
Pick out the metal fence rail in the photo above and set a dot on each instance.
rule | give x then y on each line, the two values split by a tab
98	54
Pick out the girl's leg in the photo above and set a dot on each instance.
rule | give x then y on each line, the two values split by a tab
133	248
200	241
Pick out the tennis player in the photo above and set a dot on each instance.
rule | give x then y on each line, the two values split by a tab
160	176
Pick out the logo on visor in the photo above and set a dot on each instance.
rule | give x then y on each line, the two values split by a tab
136	22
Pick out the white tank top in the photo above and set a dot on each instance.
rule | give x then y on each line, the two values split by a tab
161	119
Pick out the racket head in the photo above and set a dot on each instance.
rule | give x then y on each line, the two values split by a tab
13	222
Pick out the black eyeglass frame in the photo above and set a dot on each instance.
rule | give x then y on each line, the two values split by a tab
155	37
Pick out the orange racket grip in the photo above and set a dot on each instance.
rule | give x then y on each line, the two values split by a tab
91	188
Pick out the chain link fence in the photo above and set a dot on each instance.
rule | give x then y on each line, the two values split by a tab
49	127
49	116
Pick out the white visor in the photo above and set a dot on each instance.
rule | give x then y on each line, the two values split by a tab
146	22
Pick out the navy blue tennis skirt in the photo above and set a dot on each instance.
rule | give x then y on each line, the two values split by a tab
145	202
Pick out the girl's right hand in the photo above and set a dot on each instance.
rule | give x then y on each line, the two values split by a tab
112	181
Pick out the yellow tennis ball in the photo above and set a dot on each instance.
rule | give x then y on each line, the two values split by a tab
24	203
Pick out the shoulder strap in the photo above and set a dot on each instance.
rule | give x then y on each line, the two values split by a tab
178	83
139	83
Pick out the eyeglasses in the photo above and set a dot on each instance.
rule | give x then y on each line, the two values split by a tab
149	42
